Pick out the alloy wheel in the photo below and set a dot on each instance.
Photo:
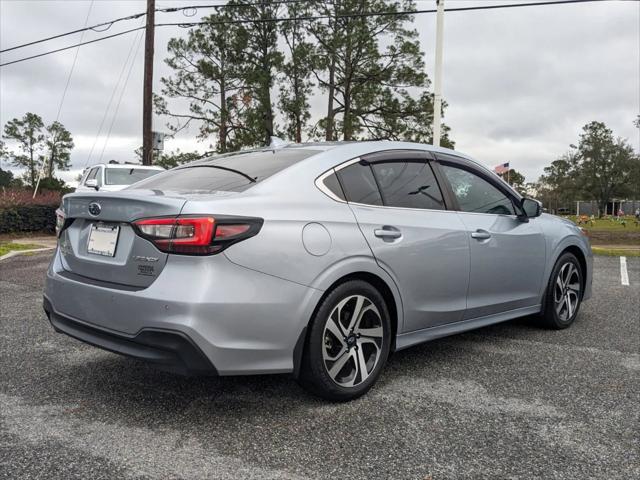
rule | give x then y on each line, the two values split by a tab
352	340
566	291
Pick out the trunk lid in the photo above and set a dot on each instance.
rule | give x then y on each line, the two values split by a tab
105	219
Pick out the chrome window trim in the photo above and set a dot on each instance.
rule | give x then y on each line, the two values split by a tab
324	189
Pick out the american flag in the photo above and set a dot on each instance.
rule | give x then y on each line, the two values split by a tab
501	169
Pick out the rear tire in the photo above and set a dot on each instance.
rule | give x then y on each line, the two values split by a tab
564	293
348	342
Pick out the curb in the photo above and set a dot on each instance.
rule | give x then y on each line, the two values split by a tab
20	252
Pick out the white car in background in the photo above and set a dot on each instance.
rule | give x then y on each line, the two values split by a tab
112	177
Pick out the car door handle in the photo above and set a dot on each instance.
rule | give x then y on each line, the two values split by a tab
481	235
387	232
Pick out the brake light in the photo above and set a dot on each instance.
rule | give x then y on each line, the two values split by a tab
60	219
196	235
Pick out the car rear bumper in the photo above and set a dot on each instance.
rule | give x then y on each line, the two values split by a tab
201	315
172	350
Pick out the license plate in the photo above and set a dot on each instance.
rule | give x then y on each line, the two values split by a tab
103	239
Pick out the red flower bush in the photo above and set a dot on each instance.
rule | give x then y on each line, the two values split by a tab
13	197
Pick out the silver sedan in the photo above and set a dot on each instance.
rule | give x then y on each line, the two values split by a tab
317	260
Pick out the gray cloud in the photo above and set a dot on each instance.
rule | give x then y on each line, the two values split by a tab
520	83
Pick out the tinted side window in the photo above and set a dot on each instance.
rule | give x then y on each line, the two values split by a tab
475	194
332	183
408	184
359	185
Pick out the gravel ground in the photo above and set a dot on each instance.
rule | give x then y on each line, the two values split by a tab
508	401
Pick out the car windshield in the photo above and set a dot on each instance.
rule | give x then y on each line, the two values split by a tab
234	173
127	176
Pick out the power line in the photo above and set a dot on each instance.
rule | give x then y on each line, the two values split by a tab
93	27
64	94
384	14
110	23
113	95
319	17
229	5
124	87
73	65
70	47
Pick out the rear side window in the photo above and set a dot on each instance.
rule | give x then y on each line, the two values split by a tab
409	184
475	194
333	184
233	172
359	185
127	176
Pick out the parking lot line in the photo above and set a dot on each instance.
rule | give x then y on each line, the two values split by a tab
624	275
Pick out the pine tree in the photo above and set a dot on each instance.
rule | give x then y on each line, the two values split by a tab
207	76
59	144
27	132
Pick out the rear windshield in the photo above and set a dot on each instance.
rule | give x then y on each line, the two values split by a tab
127	176
233	173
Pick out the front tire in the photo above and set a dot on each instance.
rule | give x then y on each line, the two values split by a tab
348	342
564	293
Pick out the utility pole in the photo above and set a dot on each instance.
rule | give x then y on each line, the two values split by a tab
437	88
147	95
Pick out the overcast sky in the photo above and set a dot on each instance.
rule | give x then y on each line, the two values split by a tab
520	82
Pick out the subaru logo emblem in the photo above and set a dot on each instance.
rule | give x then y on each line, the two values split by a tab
95	208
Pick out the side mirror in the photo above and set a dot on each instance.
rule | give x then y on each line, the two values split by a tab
531	208
92	183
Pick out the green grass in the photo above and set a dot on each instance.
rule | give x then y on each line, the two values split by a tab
609	225
9	247
616	252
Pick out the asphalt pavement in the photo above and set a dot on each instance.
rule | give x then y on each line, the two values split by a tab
507	401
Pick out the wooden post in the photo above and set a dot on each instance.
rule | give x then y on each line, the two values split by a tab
147	94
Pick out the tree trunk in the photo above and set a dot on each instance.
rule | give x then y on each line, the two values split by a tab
266	96
32	168
330	113
222	134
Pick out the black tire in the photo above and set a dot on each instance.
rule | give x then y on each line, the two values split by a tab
554	315
315	375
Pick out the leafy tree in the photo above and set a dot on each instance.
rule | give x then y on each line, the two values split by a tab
604	164
373	72
54	184
296	86
206	75
601	167
515	179
27	132
261	62
174	159
6	178
59	145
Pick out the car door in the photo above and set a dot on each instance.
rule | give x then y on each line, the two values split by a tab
401	211
508	254
82	187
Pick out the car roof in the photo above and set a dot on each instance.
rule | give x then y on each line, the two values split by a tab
127	165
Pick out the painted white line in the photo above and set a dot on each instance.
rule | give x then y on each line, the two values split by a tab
624	275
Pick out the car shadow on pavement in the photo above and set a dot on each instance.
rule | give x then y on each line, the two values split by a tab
136	386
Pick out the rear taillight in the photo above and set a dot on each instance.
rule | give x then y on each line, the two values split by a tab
60	218
196	235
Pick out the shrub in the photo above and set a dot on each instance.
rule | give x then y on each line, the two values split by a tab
19	212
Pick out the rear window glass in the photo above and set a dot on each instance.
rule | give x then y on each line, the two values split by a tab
234	172
127	176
